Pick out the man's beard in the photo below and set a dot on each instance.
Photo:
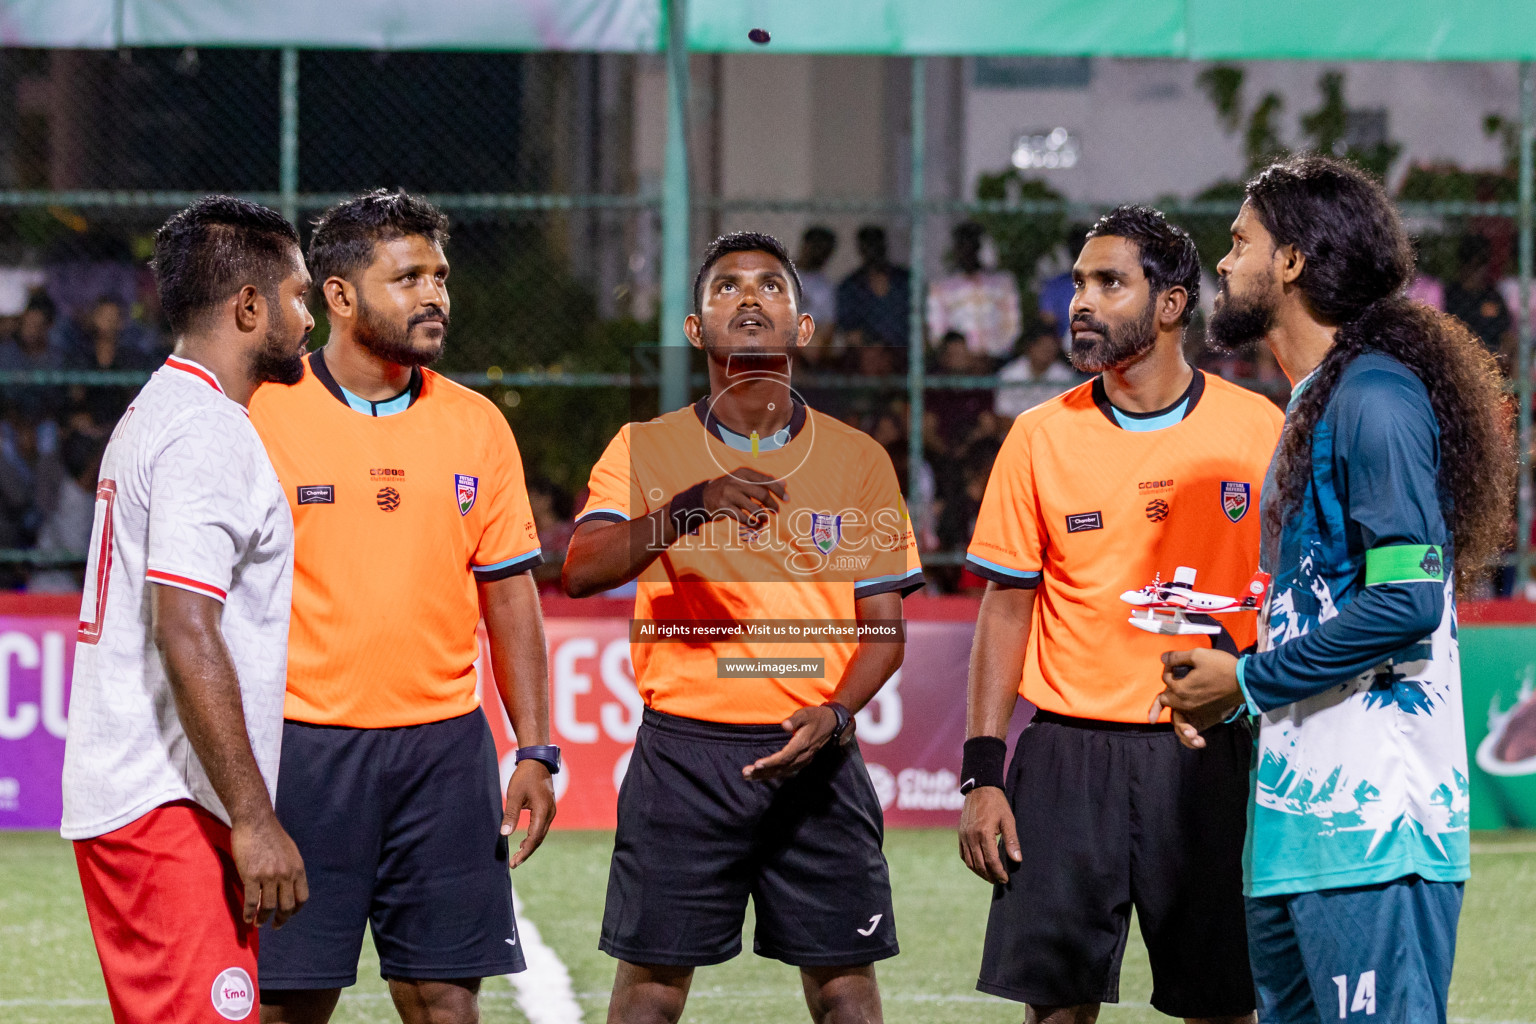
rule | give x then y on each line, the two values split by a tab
1239	321
1117	345
278	362
738	360
391	342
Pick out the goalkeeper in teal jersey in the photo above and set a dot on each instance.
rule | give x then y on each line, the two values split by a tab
1389	490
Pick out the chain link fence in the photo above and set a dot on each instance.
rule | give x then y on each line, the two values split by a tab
540	161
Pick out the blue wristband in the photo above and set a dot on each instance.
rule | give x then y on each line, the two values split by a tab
546	754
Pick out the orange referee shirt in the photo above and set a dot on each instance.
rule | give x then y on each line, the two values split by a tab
1086	502
841	534
398	508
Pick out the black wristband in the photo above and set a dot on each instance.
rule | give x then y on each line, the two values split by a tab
687	511
844	720
983	763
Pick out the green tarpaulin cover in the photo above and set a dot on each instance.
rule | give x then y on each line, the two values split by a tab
1205	29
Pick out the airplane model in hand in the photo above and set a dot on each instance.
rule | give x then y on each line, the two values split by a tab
1165	607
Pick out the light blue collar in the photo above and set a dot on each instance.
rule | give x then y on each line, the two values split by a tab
773	442
1141	424
388	407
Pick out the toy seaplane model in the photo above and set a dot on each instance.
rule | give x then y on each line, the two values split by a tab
1165	607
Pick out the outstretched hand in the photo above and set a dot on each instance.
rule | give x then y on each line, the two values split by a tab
810	728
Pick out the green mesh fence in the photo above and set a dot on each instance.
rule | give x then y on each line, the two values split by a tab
556	251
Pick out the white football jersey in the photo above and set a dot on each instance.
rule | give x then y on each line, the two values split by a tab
187	498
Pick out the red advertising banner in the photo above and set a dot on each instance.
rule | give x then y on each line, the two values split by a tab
910	733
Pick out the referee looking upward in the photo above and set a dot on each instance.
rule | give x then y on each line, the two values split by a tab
1150	466
745	780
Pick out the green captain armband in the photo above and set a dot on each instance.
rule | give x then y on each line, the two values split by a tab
1404	563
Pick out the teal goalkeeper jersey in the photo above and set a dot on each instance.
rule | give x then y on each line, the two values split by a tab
1361	771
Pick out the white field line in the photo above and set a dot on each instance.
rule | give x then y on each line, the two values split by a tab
544	989
1481	848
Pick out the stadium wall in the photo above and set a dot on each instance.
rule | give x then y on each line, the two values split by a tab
910	735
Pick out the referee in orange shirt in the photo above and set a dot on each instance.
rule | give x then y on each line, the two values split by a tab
411	523
749	509
1150	466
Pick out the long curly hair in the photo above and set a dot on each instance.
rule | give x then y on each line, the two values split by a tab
1358	260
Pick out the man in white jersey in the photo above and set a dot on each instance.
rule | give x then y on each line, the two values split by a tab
176	711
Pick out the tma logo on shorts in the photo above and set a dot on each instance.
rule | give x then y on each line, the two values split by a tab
234	994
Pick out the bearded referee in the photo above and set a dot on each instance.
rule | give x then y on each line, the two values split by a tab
1150	467
748	509
411	523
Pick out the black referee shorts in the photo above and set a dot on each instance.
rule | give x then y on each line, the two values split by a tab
695	839
400	831
1112	817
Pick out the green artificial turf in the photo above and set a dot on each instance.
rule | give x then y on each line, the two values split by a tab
49	974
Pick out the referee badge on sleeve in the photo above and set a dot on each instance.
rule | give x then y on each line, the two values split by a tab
465	488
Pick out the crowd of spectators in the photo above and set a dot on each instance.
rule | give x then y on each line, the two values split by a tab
51	434
991	352
978	324
975	323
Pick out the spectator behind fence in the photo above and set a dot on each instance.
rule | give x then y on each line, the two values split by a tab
1041	366
1474	299
1424	287
29	349
103	339
551	507
819	294
889	427
68	526
1056	288
981	304
28	476
957	409
873	302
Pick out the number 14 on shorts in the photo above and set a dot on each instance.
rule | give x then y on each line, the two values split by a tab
1365	994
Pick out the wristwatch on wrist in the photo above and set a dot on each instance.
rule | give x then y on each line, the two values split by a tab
546	754
844	720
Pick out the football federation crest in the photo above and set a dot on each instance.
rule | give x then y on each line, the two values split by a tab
1234	499
826	531
465	488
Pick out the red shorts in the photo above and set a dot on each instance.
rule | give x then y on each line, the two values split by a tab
165	904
